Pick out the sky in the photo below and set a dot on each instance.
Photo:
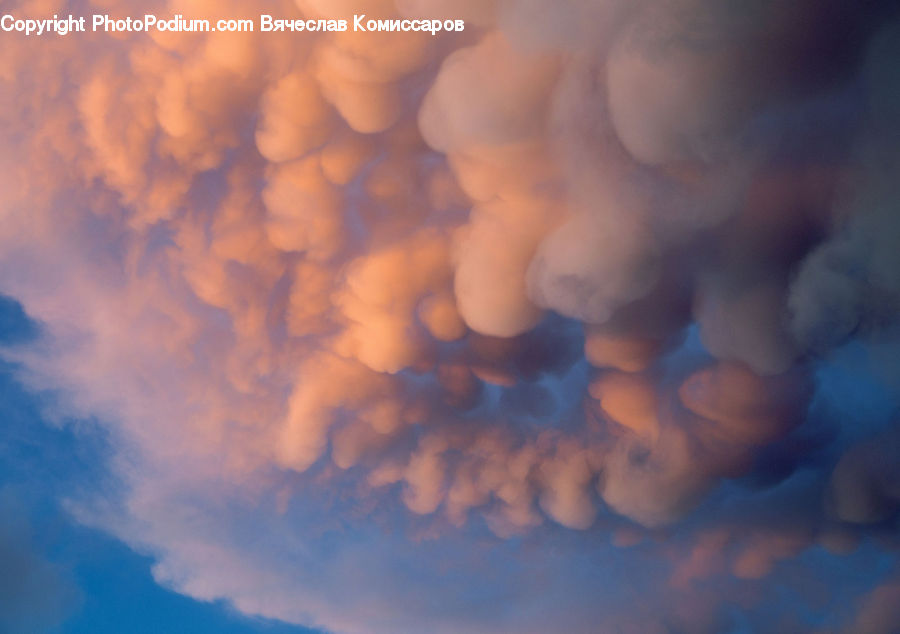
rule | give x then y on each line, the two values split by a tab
584	318
60	576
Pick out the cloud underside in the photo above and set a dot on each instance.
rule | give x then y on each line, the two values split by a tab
514	329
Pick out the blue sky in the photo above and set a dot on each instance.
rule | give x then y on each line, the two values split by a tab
91	583
97	584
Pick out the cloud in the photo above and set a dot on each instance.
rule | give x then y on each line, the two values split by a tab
393	331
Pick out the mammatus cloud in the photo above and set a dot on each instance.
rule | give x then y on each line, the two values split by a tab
503	330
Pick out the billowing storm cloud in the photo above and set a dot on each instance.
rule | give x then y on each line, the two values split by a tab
569	321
